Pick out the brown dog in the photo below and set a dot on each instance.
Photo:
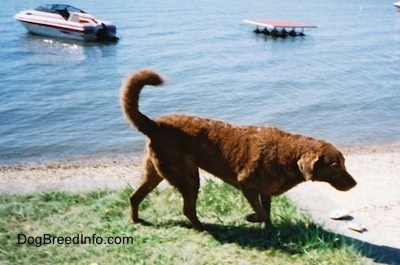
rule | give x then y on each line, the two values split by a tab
260	161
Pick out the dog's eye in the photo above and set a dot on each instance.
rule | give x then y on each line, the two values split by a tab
335	165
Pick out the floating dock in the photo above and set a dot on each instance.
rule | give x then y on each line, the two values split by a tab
278	27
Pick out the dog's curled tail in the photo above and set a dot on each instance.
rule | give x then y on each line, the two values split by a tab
130	96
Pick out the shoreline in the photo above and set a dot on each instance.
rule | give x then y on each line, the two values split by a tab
70	175
84	174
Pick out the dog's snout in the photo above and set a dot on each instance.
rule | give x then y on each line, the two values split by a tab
347	183
352	182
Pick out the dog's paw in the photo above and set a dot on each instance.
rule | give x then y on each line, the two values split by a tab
253	218
137	220
200	228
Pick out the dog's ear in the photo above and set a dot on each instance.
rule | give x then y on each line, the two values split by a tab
306	164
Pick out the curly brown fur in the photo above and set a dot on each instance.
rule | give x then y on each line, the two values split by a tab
260	161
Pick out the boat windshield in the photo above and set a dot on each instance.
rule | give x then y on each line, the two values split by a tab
57	8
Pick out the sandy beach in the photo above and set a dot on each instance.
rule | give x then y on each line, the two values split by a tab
373	205
72	176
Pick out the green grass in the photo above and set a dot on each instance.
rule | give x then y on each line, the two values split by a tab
167	238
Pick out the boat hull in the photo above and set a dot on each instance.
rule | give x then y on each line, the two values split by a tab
81	35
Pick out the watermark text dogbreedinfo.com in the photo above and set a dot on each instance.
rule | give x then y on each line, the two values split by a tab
78	239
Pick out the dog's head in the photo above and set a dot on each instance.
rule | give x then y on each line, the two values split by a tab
326	164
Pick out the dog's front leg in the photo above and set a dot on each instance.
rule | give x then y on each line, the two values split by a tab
260	214
266	203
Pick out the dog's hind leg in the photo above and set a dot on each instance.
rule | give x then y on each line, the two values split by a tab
189	194
187	181
150	180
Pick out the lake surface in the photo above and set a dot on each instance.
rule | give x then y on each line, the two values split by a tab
341	82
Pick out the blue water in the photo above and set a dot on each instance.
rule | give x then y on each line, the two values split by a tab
341	82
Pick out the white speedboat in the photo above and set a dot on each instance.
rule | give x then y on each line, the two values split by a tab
65	21
397	4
